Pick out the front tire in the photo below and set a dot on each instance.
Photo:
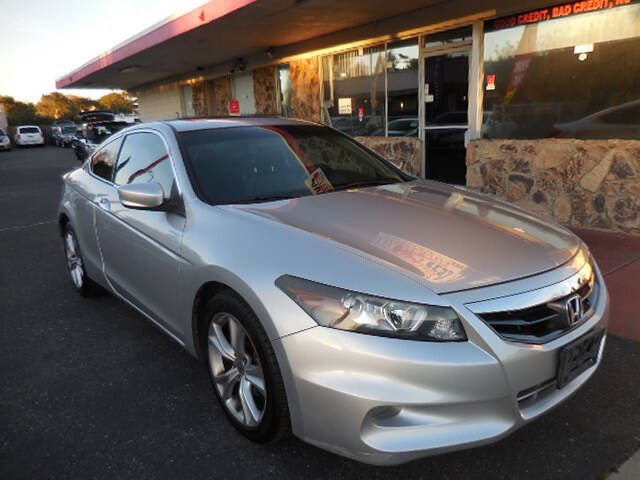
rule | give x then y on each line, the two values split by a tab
75	263
243	369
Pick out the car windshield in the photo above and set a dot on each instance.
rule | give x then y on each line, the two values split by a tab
2	134
262	163
29	130
98	132
70	129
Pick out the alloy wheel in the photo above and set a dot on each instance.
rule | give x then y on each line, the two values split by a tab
74	261
236	370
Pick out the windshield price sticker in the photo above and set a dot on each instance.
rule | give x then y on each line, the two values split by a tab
318	182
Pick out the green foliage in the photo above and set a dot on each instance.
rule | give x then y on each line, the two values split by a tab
21	113
55	106
117	102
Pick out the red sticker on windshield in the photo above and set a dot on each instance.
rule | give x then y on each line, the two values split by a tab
317	182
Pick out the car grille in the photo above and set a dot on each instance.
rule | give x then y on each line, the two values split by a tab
541	324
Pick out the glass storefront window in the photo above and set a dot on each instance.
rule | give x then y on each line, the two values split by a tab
448	38
574	77
403	63
285	90
354	91
187	96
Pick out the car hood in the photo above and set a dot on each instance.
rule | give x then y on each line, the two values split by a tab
448	238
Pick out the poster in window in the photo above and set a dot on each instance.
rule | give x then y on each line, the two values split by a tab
344	106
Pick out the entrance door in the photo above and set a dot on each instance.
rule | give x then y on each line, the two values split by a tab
446	91
243	92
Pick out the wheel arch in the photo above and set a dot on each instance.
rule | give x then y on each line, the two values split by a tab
204	293
63	221
216	281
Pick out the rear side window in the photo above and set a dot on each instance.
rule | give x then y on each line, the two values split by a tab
103	161
143	159
29	130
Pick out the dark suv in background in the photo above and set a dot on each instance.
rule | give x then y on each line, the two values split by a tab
97	125
63	133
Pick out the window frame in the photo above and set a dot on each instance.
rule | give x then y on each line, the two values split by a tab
99	150
123	135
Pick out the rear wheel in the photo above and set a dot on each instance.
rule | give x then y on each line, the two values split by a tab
75	264
244	371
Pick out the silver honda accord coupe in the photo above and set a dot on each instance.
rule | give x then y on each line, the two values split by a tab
372	314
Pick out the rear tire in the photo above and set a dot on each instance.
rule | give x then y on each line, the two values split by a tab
243	369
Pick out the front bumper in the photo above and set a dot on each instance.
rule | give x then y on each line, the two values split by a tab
387	401
5	145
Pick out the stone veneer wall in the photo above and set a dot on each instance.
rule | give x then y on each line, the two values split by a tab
265	90
403	152
582	183
221	94
199	100
305	83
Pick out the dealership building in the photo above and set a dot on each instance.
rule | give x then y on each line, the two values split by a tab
535	102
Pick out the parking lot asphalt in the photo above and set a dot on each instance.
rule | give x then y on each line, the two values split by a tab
90	389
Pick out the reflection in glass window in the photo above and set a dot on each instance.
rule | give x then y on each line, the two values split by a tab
575	77
265	163
144	159
285	90
103	161
354	91
402	96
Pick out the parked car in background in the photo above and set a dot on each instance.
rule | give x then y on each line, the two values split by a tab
621	121
379	316
28	135
498	125
403	127
97	116
62	133
92	134
5	142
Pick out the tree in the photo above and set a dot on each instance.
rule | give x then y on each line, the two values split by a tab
82	104
56	105
21	113
117	102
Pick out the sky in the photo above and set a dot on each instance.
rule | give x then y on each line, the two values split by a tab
43	40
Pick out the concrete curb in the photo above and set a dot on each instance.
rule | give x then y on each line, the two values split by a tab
629	470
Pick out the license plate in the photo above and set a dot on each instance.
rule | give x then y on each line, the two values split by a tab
578	356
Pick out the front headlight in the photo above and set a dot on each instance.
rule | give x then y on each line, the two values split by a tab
346	310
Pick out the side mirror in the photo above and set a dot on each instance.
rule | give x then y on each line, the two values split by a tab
144	196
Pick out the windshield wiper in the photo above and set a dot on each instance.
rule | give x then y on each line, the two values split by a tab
266	198
368	183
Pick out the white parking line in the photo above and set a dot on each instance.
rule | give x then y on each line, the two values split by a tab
19	227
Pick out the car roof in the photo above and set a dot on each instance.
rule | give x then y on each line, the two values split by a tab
203	123
28	126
